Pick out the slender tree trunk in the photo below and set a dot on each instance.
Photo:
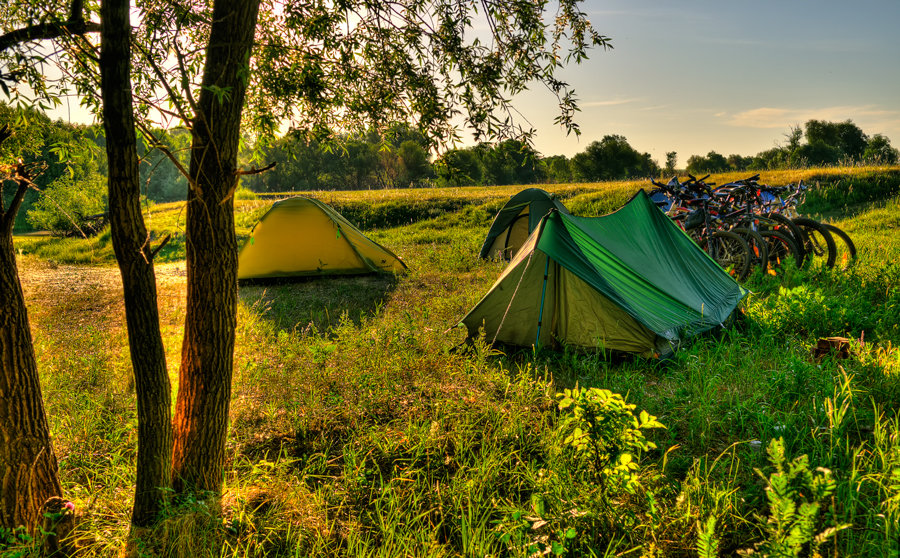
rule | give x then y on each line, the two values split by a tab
133	254
204	389
28	469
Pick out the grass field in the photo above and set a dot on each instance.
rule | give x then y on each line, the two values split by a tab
362	426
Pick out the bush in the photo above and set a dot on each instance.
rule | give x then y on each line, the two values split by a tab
64	207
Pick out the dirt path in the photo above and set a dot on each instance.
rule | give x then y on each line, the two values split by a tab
42	277
75	296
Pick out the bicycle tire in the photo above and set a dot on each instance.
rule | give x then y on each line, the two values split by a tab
846	250
759	251
817	241
781	248
785	225
731	252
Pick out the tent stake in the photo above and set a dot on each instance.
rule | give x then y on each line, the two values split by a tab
537	340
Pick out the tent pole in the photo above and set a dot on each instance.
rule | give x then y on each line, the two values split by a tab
537	340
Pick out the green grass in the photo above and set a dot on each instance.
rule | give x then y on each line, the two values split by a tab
362	426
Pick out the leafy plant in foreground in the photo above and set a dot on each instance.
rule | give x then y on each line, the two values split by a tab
16	543
584	502
605	435
795	495
707	542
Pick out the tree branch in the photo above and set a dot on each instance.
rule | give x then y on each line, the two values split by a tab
23	182
160	247
75	25
254	170
165	150
165	83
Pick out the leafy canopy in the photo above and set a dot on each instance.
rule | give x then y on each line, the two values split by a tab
335	67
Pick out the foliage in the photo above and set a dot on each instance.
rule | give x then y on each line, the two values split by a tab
671	161
796	497
376	64
67	208
54	151
879	151
459	167
612	158
510	162
707	543
845	138
826	143
713	162
558	169
605	435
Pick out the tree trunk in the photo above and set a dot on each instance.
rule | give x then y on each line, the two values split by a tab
28	469
133	254
204	390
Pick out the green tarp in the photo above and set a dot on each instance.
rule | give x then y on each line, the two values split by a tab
649	284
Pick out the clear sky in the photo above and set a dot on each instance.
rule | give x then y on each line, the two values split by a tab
731	76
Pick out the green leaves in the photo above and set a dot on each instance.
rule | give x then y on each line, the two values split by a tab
795	495
604	434
222	94
707	543
358	64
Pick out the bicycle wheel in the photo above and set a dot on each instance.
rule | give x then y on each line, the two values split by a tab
817	241
846	250
783	224
759	252
731	252
781	248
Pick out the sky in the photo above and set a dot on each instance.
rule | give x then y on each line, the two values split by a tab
694	76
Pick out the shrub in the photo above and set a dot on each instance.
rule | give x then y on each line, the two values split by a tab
65	206
606	437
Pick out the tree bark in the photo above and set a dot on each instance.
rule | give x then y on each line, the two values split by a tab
28	468
204	390
131	244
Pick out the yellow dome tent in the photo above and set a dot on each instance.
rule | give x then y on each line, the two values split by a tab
304	237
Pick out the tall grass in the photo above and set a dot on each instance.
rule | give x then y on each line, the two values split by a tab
362	425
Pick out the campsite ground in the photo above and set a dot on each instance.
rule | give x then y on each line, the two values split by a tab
361	425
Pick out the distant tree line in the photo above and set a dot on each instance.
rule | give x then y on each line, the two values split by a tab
516	162
402	158
817	144
73	180
399	158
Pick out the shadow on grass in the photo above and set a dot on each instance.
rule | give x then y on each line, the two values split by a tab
321	303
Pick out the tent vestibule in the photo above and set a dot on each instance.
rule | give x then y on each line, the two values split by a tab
516	220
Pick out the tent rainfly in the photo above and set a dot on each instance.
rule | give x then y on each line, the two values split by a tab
304	237
629	281
516	220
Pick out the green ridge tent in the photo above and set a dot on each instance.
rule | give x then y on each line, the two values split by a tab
515	221
302	236
629	281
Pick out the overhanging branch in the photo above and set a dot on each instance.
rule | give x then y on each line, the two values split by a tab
254	170
75	25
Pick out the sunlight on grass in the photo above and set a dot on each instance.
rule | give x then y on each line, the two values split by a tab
361	424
